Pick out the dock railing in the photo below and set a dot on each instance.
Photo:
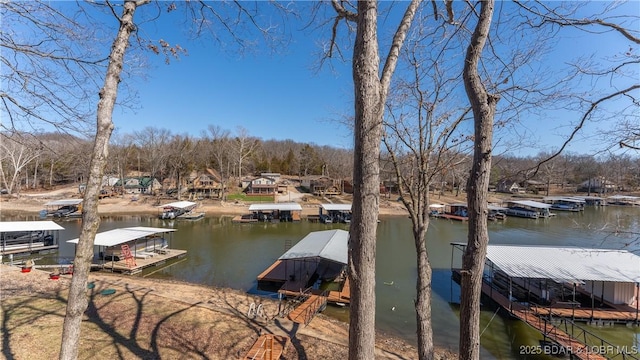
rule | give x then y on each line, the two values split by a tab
562	327
293	303
317	306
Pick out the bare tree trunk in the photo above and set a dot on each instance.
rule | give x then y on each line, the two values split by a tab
483	105
366	181
423	291
77	303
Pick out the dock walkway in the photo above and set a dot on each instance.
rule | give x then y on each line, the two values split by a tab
577	348
308	309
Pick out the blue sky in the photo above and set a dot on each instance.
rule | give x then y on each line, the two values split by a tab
284	96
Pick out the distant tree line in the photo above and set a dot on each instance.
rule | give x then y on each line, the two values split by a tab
36	161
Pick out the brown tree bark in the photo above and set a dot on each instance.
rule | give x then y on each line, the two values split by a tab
77	303
366	179
483	105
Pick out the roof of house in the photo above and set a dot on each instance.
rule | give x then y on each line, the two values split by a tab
328	244
10	226
121	236
569	264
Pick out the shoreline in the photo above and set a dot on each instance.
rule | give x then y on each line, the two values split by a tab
122	205
177	316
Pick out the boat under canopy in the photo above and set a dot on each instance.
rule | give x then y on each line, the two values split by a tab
28	236
275	212
179	209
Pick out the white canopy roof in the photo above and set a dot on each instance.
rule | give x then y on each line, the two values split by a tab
564	198
436	206
531	203
279	207
337	207
64	202
327	244
624	197
180	204
495	207
570	264
121	236
9	226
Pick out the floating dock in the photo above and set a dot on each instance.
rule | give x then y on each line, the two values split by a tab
159	258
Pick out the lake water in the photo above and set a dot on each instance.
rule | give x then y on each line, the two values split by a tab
223	253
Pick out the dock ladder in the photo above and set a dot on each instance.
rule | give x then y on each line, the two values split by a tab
128	257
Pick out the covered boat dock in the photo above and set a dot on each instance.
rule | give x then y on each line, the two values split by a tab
543	284
285	212
28	237
130	250
315	264
528	209
63	208
180	210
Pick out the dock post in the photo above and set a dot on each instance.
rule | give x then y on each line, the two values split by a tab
637	301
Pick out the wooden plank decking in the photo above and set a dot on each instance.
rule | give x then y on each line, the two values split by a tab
343	296
159	258
308	309
577	348
268	347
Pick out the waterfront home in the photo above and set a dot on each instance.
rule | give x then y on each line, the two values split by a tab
597	185
262	186
321	185
28	237
139	185
528	209
509	186
205	185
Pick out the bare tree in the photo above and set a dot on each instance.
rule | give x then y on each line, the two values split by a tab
370	93
483	105
421	140
243	147
218	154
17	152
77	302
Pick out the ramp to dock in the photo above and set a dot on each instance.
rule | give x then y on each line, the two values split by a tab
267	347
308	309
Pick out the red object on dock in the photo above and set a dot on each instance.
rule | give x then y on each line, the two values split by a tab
54	276
26	270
